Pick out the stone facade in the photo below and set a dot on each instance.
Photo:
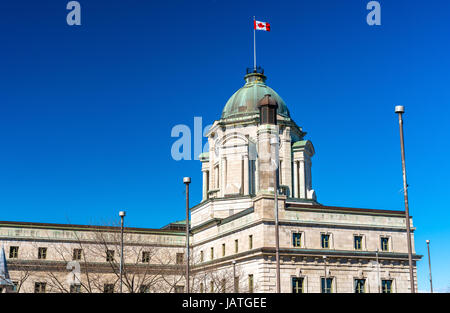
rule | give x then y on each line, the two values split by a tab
233	228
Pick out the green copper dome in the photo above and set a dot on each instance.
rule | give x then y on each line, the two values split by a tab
245	101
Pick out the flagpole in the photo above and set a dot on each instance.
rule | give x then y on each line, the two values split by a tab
254	45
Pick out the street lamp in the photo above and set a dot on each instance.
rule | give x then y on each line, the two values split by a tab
378	272
429	265
187	181
274	142
234	276
325	276
399	109
122	215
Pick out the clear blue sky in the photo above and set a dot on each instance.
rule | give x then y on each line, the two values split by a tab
86	111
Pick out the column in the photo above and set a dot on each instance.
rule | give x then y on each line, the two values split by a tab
256	176
302	180
223	175
295	187
246	176
205	185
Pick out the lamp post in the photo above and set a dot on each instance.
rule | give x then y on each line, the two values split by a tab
378	271
325	272
122	215
274	142
399	109
234	276
429	265
187	181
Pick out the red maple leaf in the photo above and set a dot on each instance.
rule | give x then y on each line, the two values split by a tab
260	25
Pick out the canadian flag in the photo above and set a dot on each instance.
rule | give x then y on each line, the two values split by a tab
262	26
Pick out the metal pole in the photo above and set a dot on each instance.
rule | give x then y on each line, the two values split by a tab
325	274
378	272
254	45
187	181
234	276
122	215
429	265
400	110
277	237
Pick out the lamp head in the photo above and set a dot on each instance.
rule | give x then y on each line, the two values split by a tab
399	109
122	213
427	241
187	180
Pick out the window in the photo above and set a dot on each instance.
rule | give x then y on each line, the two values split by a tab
77	254
297	284
13	252
211	286
42	253
236	284
325	241
180	257
236	246
16	285
179	289
201	256
328	287
75	288
212	253
250	242
145	257
384	244
296	240
250	283
109	255
223	249
144	289
358	242
386	286
202	288
360	286
108	288
39	287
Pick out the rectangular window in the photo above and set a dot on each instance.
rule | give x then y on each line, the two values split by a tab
108	288
250	242
13	252
325	241
145	257
384	244
386	286
296	240
211	286
39	287
236	284
179	289
223	249
212	253
236	246
326	288
250	283
42	253
75	288
360	286
76	256
202	288
358	242
201	256
109	255
297	284
180	258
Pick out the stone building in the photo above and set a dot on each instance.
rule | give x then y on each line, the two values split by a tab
322	248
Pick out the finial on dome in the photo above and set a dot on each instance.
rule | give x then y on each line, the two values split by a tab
255	75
